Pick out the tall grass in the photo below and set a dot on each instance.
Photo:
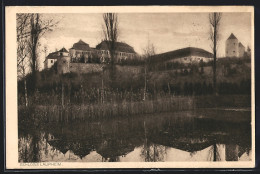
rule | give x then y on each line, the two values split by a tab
88	112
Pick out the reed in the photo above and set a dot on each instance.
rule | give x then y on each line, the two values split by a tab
106	110
90	112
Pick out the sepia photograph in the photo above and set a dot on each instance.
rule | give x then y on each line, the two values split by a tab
136	86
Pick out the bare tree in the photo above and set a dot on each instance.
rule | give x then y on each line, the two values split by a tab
148	51
38	26
111	35
214	20
22	21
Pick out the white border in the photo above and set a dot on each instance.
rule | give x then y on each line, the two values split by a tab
11	85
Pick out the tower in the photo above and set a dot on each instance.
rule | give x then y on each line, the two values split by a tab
63	62
241	49
232	46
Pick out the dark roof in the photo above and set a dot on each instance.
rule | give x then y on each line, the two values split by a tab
63	50
120	46
184	52
53	55
80	45
232	36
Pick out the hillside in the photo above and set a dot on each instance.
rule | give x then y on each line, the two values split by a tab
230	74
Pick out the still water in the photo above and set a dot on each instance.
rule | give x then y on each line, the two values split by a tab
200	135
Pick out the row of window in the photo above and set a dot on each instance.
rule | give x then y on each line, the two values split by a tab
117	53
83	52
105	52
190	59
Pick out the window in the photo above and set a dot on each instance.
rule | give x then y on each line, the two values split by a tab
51	61
234	51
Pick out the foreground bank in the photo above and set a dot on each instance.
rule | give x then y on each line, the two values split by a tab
90	112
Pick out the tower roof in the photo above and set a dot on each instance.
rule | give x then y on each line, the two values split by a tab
119	46
232	36
180	53
81	45
63	50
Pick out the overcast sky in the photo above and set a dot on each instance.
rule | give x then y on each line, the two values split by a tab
167	31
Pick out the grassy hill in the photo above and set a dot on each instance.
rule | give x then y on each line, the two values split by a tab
233	77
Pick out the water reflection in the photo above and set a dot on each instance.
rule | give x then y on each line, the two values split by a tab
201	135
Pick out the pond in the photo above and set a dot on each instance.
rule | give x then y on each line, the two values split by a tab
197	135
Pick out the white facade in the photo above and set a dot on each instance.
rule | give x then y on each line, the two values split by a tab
232	48
118	55
191	59
78	53
48	63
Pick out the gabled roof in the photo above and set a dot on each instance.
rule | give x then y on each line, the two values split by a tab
232	36
63	50
81	45
53	55
184	52
120	47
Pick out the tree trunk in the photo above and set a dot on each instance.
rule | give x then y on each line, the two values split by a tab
214	63
25	92
144	82
113	70
102	92
214	152
169	89
62	94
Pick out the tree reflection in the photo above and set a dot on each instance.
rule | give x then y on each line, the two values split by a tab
29	148
214	153
114	139
150	151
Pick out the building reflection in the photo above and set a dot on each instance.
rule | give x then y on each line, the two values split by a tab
151	139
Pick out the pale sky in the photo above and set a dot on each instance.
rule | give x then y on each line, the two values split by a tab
167	31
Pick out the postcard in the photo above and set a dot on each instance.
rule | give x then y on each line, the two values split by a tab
130	87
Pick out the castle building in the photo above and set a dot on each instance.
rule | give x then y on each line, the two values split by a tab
81	50
63	61
50	60
123	51
62	58
82	53
241	50
185	55
234	48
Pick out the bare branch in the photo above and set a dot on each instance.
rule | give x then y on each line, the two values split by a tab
110	31
214	21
